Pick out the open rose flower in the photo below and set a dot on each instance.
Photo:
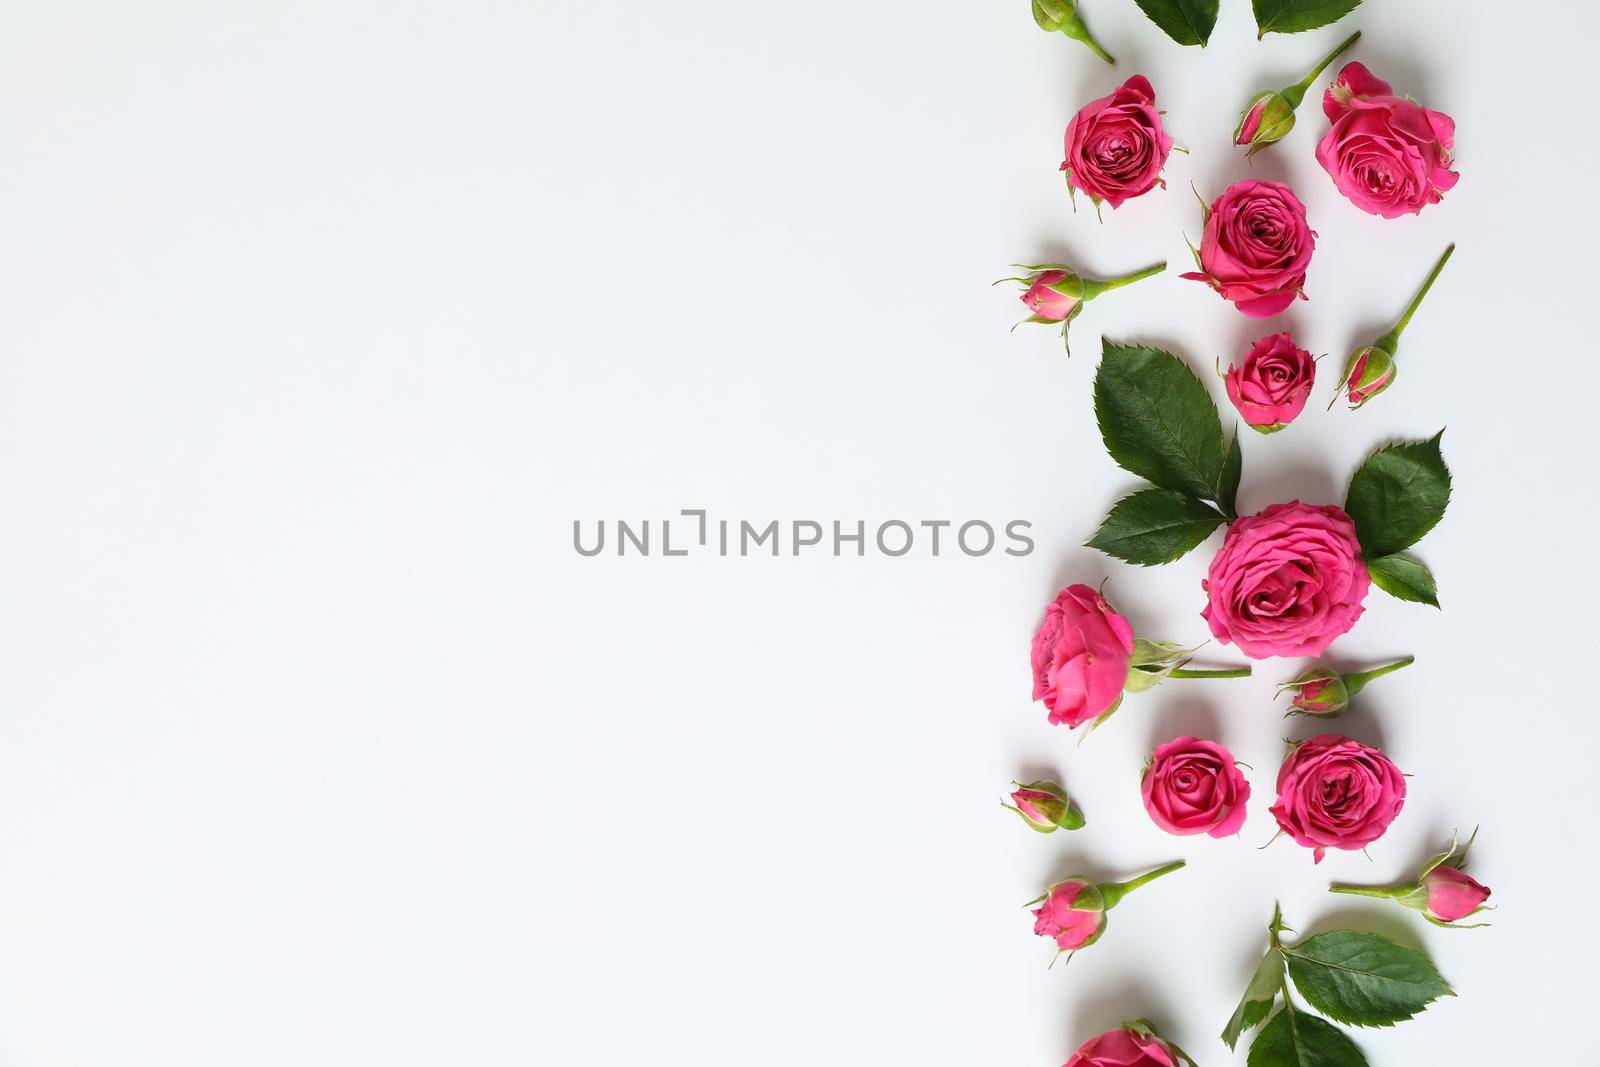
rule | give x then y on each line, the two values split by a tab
1115	146
1072	913
1271	386
1132	1044
1337	793
1256	247
1443	891
1287	581
1193	787
1388	155
1085	657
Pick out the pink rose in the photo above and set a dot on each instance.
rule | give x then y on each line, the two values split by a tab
1452	894
1337	793
1256	247
1065	920
1045	302
1080	656
1133	1045
1045	806
1115	146
1389	156
1287	581
1271	386
1193	787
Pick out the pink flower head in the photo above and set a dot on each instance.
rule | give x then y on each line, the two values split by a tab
1337	793
1072	923
1193	787
1452	895
1045	302
1271	386
1256	247
1388	155
1287	581
1250	124
1115	146
1133	1045
1045	806
1080	656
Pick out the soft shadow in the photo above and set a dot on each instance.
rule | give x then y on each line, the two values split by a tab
1101	1008
1311	484
1189	717
1362	728
1390	920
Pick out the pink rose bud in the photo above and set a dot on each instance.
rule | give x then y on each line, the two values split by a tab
1132	1044
1085	656
1055	293
1371	369
1072	912
1061	16
1287	581
1334	792
1045	806
1327	693
1192	786
1270	116
1256	247
1388	155
1442	891
1116	146
1270	387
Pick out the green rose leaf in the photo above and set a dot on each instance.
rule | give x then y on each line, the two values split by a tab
1293	16
1364	979
1404	579
1185	21
1158	421
1155	526
1256	1003
1295	1039
1398	495
1232	474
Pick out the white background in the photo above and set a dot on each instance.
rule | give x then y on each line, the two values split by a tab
321	322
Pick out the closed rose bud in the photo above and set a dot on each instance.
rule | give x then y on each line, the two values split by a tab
1046	807
1134	1044
1072	913
1327	693
1055	293
1442	891
1061	16
1270	116
1371	368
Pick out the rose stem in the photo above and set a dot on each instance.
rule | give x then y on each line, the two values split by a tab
1073	27
1231	672
1356	682
1386	892
1113	892
1393	336
1093	288
1298	92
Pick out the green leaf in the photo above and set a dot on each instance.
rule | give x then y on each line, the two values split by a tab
1293	16
1185	21
1232	474
1397	495
1295	1039
1158	421
1256	1003
1404	579
1364	979
1155	526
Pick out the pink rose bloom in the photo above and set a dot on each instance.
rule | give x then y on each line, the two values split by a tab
1124	1047
1271	386
1080	656
1193	787
1256	247
1389	156
1070	927
1287	581
1045	302
1337	793
1116	146
1452	894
